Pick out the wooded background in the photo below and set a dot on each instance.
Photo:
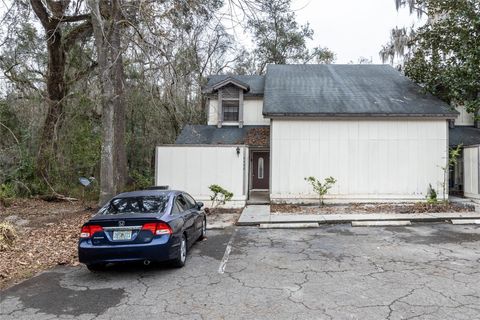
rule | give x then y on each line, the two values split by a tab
90	87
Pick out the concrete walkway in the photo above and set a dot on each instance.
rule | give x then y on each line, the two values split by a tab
254	215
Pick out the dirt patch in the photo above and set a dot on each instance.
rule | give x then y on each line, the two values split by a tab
370	208
47	235
215	211
221	218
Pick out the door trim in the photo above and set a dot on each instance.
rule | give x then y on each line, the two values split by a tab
251	168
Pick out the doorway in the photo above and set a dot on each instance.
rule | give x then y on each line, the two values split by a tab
260	173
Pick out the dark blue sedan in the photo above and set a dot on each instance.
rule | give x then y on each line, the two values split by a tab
150	225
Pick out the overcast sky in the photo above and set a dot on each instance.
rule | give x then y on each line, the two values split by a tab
352	28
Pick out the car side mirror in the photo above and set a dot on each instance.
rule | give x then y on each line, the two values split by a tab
199	205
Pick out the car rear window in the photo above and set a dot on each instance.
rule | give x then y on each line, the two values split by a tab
137	205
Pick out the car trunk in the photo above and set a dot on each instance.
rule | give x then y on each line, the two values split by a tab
127	229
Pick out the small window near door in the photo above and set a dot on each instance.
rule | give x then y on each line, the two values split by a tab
260	168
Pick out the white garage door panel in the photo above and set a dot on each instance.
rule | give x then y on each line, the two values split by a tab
194	168
371	159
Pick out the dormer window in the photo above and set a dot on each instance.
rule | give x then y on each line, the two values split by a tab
230	103
230	110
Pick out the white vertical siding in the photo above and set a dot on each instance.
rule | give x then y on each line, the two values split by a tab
252	112
471	158
212	112
371	159
194	168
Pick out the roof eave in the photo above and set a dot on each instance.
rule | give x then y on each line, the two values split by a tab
359	115
246	94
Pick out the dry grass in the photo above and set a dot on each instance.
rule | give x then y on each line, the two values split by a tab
8	235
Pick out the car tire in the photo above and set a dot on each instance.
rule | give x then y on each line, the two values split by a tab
203	235
182	253
95	267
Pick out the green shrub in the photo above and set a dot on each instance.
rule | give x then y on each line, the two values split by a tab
431	195
141	179
220	195
321	188
7	191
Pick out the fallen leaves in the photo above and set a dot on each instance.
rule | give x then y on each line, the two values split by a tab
258	137
419	207
48	239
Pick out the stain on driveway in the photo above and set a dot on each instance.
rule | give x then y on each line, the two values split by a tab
45	294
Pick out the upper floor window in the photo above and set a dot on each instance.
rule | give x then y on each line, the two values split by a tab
230	103
230	111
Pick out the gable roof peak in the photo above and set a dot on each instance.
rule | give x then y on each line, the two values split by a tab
252	85
231	80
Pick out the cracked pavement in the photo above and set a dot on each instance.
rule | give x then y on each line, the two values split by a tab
425	271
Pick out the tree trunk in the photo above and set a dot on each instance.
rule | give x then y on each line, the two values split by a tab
119	100
56	88
53	22
113	163
107	163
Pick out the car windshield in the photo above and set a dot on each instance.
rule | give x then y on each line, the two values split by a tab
155	204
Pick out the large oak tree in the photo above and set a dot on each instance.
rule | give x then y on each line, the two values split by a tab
63	27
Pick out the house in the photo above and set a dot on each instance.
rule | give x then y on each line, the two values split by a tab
368	126
465	175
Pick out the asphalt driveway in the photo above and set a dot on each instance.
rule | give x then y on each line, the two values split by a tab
332	272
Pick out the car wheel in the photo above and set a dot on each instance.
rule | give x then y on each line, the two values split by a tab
95	267
182	253
203	235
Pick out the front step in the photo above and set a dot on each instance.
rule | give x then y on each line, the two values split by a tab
258	202
258	198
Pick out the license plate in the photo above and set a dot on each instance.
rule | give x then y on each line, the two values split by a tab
122	235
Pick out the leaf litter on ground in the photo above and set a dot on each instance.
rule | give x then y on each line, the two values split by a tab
47	236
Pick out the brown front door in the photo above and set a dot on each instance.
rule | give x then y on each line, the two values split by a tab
260	169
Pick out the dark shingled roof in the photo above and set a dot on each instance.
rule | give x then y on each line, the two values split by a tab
204	134
464	135
256	83
346	90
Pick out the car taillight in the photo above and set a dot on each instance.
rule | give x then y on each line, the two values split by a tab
157	228
89	231
150	227
163	228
